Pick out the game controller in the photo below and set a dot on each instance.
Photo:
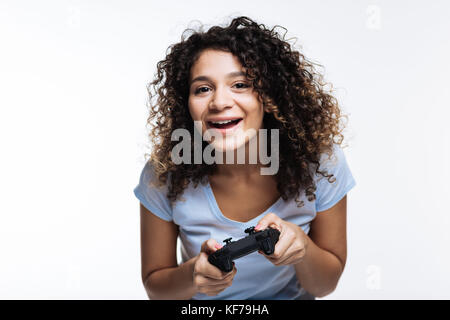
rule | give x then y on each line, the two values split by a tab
264	240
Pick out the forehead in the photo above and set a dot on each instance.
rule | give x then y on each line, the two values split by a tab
215	62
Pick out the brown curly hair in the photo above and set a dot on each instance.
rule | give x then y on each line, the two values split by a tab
306	114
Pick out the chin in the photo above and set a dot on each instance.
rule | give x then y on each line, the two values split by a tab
227	147
230	145
233	142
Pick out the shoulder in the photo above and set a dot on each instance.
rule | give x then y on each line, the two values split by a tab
152	193
331	158
337	182
150	176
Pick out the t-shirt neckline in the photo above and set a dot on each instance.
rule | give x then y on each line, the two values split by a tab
218	213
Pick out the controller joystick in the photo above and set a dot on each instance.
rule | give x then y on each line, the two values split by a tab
250	230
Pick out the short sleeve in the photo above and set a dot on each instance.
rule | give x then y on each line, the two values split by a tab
328	194
152	197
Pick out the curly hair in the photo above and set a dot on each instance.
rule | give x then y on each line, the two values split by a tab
305	113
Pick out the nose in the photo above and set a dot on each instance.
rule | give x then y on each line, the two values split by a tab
221	99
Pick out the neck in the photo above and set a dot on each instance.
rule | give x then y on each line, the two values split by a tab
236	170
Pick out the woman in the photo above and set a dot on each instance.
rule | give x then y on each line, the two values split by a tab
227	82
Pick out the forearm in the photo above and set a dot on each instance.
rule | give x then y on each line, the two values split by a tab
319	271
172	283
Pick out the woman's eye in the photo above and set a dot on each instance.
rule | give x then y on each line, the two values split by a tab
200	90
243	85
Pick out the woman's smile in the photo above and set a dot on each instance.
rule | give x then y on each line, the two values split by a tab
225	127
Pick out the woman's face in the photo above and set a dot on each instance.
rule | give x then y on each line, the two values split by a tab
219	92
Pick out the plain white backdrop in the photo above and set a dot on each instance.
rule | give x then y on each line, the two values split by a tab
73	96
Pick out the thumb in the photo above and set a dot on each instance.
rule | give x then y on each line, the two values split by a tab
210	246
269	220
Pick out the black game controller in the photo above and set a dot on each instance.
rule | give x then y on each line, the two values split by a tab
264	240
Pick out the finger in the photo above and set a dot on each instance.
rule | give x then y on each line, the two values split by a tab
277	261
213	284
291	256
207	285
205	268
225	277
231	274
209	282
270	219
210	246
228	275
293	259
213	291
280	260
283	245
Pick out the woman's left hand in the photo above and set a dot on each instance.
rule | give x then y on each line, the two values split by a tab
292	243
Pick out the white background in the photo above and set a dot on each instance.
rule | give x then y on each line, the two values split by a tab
73	96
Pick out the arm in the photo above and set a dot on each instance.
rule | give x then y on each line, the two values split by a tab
319	258
326	251
161	275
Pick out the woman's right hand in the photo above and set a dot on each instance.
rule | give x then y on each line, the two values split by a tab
209	279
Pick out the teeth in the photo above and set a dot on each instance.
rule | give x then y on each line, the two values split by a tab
223	122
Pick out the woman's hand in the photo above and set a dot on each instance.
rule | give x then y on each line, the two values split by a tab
292	244
208	279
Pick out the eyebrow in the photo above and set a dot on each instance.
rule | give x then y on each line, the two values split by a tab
229	75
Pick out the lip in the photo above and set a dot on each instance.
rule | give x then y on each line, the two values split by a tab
225	131
222	119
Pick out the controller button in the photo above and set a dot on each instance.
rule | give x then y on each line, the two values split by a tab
250	230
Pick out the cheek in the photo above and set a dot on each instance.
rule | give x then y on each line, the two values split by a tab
251	105
254	113
195	109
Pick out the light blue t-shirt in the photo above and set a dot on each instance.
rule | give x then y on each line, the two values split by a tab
199	218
